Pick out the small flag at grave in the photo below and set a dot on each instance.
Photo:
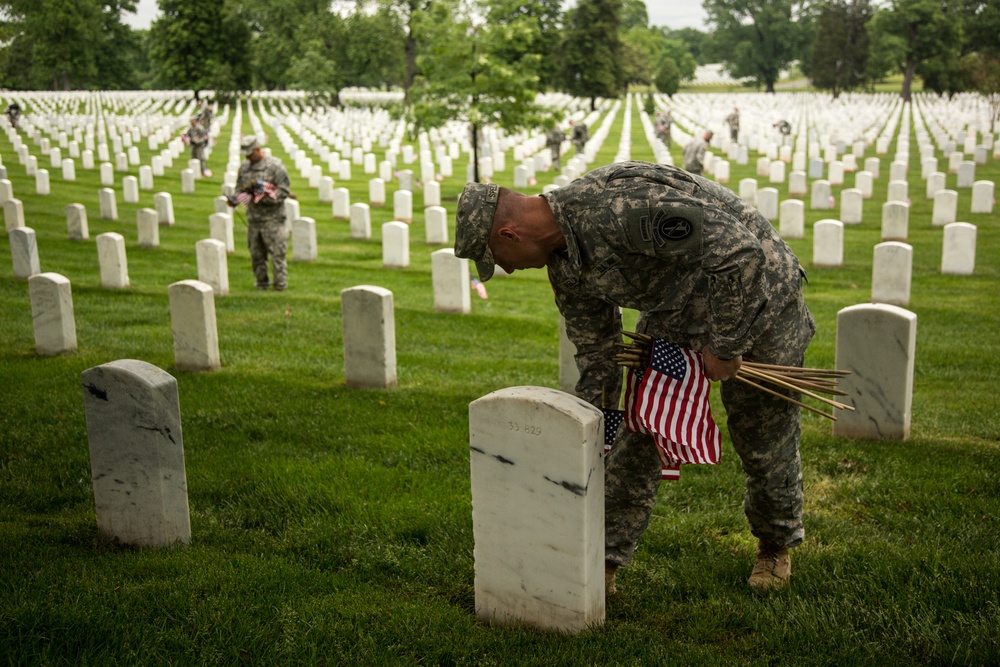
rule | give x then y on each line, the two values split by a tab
257	193
480	289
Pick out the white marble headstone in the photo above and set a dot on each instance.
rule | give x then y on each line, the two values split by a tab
851	206
24	252
402	206
436	225
52	313
945	208
828	243
304	246
820	200
341	204
111	258
892	271
958	254
108	204
877	344
451	282
192	321
148	228
164	204
136	454
361	221
369	330
895	220
982	197
791	219
213	267
537	476
395	245
13	214
76	222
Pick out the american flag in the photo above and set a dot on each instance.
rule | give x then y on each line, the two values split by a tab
669	469
670	400
259	192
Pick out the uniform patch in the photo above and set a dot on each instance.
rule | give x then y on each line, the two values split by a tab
667	230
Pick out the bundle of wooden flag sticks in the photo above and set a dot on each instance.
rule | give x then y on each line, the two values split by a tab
807	381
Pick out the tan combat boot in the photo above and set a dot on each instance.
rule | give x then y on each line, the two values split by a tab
771	570
609	578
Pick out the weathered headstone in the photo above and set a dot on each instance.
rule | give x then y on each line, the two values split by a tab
136	454
958	254
402	201
395	245
192	321
945	208
892	271
982	197
369	330
13	214
341	204
361	221
450	278
767	202
76	222
304	246
42	182
148	228
538	509
187	181
791	219
436	225
864	182
111	258
24	252
797	184
326	190
164	204
220	227
748	190
820	200
68	170
895	221
877	344
213	267
108	204
935	184
52	313
376	192
721	172
432	194
851	206
898	191
828	243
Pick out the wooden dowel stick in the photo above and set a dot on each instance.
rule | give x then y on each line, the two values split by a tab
787	398
782	383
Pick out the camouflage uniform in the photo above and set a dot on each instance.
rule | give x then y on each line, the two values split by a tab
266	230
580	136
198	139
554	140
703	267
733	121
694	156
205	117
663	123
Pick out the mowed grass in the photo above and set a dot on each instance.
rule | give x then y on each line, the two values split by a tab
333	526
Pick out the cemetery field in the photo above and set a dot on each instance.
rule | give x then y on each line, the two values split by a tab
334	526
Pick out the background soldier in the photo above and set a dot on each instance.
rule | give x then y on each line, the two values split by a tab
262	184
580	135
694	153
13	114
663	122
784	127
197	138
733	121
554	140
706	271
205	115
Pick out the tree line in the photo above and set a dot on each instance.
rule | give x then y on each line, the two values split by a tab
597	48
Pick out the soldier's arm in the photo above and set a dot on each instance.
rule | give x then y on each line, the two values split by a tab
593	326
738	287
279	177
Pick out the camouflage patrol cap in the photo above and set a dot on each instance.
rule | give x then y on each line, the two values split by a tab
248	145
473	222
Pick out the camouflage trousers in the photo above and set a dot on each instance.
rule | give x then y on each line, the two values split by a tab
198	153
266	239
555	158
765	433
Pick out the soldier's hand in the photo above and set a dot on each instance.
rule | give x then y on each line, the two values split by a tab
720	369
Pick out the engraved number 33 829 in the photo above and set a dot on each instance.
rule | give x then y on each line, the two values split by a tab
527	428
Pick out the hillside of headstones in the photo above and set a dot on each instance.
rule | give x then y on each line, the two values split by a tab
838	156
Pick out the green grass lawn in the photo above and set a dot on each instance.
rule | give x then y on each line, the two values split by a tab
333	526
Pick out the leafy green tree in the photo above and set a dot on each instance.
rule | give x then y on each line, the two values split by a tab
57	44
759	38
362	62
695	41
197	45
633	15
668	76
985	75
840	51
923	32
592	50
463	76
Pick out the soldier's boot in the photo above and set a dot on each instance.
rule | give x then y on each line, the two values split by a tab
609	578
771	570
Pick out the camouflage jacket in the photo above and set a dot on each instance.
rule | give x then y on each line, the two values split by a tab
554	138
269	170
681	249
694	155
580	133
197	136
733	121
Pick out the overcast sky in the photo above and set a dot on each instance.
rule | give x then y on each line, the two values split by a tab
662	13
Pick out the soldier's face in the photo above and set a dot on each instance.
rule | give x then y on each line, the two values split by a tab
255	155
512	254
